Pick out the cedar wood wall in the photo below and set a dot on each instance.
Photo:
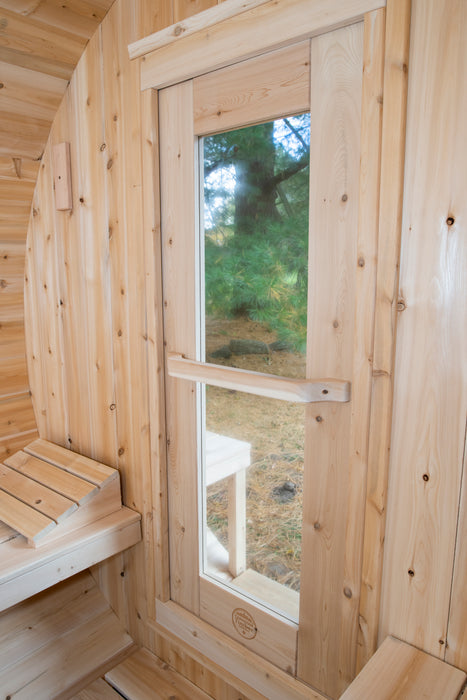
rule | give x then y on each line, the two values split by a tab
87	321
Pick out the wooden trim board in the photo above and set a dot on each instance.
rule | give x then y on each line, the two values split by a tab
26	571
270	385
400	671
237	38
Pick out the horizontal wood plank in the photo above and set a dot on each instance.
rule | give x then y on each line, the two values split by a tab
224	99
398	671
69	485
142	675
195	23
261	676
48	502
16	416
269	26
26	570
263	632
95	472
21	517
99	690
59	659
270	385
12	443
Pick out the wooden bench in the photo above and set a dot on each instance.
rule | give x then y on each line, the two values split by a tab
399	671
60	513
57	642
228	458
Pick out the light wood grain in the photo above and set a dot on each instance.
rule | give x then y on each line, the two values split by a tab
99	690
237	38
269	385
95	472
24	519
70	486
400	672
16	416
178	216
188	22
51	667
27	571
396	58
62	176
143	674
50	503
155	349
430	396
265	633
257	680
326	622
237	94
12	443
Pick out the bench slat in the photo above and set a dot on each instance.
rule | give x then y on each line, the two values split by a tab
69	485
23	518
95	472
48	502
399	671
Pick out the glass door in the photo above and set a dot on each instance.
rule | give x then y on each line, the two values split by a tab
255	259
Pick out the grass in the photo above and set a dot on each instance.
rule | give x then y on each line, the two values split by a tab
275	430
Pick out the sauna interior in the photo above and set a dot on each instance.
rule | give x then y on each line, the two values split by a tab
189	510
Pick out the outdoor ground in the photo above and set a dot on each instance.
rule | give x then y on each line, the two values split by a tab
275	430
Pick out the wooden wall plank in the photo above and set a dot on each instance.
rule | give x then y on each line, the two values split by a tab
186	8
16	416
122	108
14	374
223	99
325	623
11	340
159	586
12	443
396	50
178	250
18	169
30	93
39	39
237	38
430	397
94	160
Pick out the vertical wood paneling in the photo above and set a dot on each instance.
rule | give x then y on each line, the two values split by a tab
365	265
430	395
396	49
178	250
336	90
185	8
160	585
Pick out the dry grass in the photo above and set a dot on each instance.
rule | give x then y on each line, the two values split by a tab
275	430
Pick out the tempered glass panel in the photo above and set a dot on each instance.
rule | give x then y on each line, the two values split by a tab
253	456
256	183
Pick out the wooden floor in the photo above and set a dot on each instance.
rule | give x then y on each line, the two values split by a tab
142	676
397	671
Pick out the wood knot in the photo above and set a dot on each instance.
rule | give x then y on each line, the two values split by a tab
178	30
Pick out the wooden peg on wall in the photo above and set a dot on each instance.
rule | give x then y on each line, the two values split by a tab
62	176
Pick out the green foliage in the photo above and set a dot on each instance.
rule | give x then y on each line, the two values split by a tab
256	244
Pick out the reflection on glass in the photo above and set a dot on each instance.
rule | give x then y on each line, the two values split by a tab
256	183
254	451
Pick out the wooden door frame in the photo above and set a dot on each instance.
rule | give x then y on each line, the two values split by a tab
386	68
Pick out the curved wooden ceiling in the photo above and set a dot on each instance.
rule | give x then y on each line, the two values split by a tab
41	42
